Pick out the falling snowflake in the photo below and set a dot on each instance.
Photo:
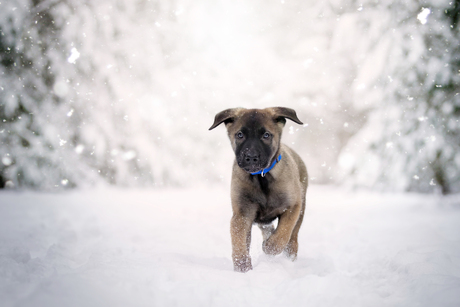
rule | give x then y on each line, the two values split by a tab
423	15
7	161
79	149
129	155
74	55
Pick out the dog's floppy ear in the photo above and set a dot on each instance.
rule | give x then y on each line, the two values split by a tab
280	115
226	116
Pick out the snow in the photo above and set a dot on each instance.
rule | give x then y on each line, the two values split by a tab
171	247
423	15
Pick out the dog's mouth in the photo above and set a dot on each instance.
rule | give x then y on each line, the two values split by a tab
250	168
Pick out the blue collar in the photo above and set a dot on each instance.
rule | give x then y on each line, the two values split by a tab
266	170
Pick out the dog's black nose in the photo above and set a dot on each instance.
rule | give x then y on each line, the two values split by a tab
251	158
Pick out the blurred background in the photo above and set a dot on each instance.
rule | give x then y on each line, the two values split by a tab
123	92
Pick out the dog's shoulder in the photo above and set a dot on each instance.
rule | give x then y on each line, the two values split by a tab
294	164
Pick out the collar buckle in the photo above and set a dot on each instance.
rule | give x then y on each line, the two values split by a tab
266	170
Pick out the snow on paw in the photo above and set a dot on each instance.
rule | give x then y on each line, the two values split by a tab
272	246
242	264
291	250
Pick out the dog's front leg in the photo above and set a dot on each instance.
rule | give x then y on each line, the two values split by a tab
240	229
277	242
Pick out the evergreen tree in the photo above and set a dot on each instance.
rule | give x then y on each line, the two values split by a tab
412	138
61	123
34	115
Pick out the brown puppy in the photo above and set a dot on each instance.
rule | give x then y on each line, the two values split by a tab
269	181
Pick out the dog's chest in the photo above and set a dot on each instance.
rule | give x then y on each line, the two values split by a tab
272	201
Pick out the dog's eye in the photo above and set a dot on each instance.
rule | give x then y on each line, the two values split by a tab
239	135
266	135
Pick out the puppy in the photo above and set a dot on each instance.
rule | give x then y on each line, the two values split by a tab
269	181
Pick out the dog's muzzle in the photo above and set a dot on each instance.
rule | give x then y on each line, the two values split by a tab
250	161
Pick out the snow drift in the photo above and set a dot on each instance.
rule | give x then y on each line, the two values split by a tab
172	248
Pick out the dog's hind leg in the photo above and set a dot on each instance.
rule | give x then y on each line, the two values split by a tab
267	230
292	247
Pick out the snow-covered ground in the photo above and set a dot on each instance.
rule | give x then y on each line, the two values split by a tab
120	247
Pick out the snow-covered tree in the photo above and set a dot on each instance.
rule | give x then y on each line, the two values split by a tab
35	128
412	138
62	120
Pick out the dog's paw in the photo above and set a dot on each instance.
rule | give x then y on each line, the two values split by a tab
291	250
242	264
272	246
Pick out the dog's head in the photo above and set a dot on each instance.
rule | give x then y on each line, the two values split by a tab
255	134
